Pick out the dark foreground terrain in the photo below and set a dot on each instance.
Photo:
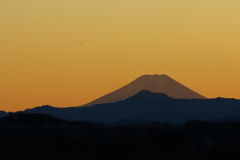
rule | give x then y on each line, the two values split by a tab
43	137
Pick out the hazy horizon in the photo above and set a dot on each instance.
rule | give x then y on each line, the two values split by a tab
68	53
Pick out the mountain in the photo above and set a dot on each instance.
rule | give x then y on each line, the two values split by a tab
154	83
148	106
145	94
2	114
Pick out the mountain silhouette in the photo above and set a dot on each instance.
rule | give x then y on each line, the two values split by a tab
148	106
2	114
145	94
154	83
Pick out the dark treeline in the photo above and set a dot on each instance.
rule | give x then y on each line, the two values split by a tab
40	121
36	136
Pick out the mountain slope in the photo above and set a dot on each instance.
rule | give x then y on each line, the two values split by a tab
154	83
2	114
148	106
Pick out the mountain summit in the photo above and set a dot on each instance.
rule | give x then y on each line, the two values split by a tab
154	83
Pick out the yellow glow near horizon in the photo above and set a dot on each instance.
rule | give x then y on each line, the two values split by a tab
67	53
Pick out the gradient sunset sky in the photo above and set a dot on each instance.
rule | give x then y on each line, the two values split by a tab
69	52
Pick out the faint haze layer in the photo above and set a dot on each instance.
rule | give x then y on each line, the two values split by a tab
70	52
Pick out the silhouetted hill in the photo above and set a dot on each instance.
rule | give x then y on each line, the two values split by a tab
154	83
2	114
148	106
227	119
145	94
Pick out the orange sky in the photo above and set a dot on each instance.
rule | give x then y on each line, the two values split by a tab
69	52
